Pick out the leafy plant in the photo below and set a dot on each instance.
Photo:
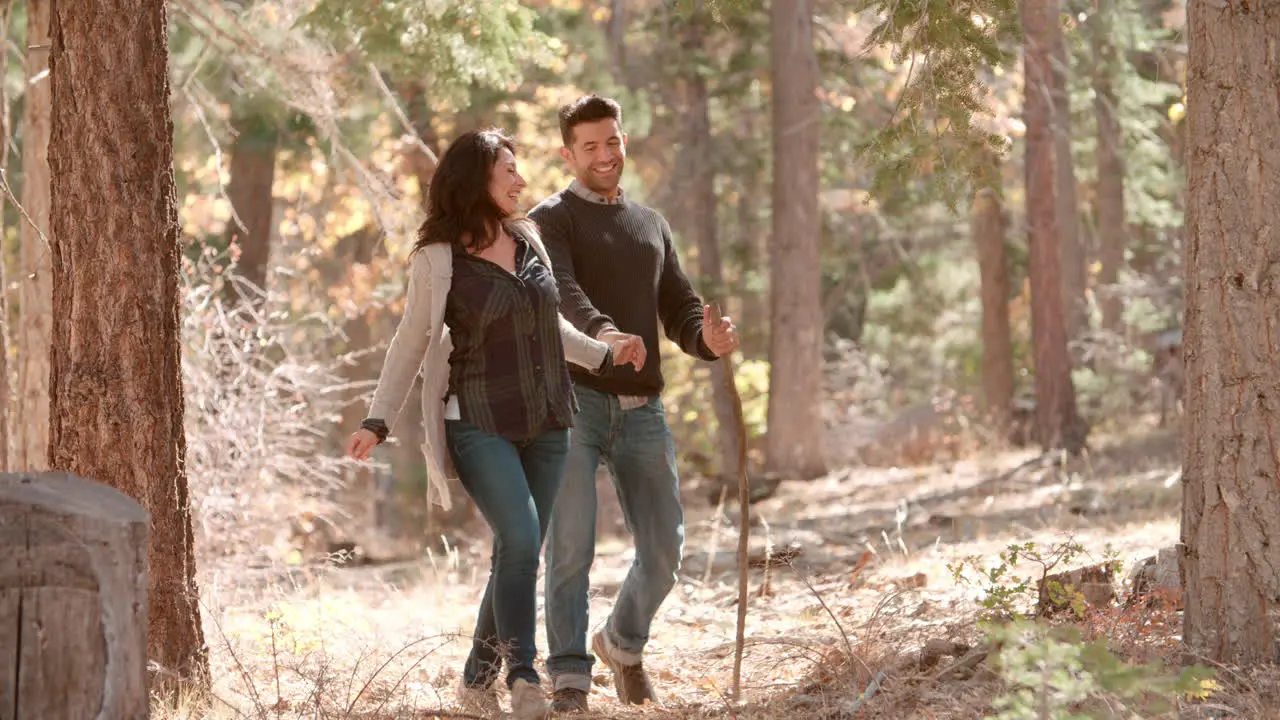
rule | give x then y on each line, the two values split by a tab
1052	674
1007	593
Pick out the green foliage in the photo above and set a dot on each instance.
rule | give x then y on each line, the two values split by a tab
1051	673
936	133
1153	178
454	43
1006	593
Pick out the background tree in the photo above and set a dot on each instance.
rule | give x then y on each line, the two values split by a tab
1231	510
988	227
797	330
1071	246
251	179
1109	203
116	402
1057	419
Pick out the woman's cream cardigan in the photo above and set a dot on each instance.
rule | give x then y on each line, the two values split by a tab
422	342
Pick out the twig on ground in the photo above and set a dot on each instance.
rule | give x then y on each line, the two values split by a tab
714	544
870	692
968	662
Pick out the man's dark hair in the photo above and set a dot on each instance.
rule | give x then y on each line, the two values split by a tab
588	108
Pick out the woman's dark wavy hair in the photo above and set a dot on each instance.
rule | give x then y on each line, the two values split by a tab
458	201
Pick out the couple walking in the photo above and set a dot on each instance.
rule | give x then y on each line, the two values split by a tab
498	307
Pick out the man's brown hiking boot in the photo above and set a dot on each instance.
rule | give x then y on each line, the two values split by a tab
569	700
630	681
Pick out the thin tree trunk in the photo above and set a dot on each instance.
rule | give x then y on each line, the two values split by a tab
1113	229
701	205
252	177
407	453
116	402
359	495
422	164
7	452
988	227
616	35
796	428
1057	419
1231	505
754	323
36	284
1075	277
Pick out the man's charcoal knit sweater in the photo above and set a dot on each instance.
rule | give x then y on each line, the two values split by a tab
616	266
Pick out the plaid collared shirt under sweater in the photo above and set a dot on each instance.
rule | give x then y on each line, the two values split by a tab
507	369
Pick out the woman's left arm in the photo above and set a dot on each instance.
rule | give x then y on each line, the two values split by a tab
582	350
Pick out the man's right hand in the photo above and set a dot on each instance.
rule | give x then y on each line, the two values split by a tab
627	349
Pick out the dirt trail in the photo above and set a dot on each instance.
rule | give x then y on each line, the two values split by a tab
331	632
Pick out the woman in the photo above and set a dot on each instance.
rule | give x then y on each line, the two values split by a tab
497	376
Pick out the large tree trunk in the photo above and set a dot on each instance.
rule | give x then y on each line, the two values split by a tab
252	177
116	401
1075	277
794	444
988	227
1231	505
1112	226
1057	419
700	214
35	323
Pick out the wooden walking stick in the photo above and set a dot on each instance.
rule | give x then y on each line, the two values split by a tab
744	520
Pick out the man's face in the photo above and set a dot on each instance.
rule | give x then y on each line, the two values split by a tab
597	155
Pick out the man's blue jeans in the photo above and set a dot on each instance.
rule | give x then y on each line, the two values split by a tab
637	447
514	485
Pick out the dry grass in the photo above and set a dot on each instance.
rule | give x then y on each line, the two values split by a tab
837	633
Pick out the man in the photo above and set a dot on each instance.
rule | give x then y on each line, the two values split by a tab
617	269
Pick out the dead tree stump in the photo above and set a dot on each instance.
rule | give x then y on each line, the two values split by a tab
73	600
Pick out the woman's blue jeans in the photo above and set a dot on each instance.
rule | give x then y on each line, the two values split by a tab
514	484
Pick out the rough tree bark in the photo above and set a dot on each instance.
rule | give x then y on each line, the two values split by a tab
701	225
988	228
1057	419
1230	479
116	401
795	440
252	177
1075	276
36	284
1113	229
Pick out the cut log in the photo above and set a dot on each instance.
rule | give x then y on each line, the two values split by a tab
73	600
1092	586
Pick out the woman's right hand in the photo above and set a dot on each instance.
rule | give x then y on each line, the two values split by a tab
627	349
361	443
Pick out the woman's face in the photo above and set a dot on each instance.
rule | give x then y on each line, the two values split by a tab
505	183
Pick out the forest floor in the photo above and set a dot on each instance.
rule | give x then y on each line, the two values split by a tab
867	587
